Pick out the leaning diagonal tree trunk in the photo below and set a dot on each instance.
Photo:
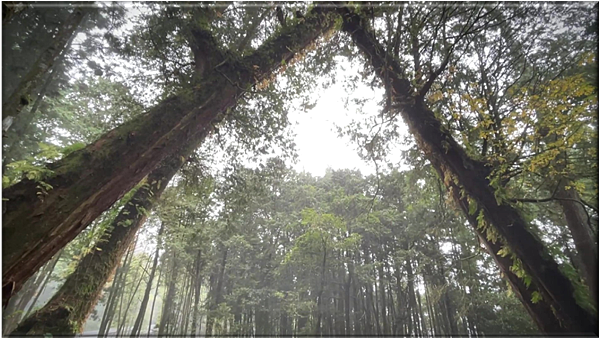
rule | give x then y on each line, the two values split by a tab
38	221
68	309
468	177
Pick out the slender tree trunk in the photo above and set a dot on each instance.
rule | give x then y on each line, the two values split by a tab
217	293
89	181
10	320
455	166
137	326
110	301
578	223
20	98
186	308
154	300
169	300
197	288
114	293
386	326
137	287
318	329
120	290
448	310
43	285
421	316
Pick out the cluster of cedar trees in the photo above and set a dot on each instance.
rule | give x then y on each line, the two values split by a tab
87	182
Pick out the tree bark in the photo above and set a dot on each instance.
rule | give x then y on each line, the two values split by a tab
88	181
454	165
72	304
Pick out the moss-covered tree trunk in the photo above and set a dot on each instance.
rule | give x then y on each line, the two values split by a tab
21	97
68	309
466	177
39	220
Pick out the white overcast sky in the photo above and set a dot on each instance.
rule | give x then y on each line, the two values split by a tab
317	142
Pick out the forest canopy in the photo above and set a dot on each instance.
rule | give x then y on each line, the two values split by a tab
153	184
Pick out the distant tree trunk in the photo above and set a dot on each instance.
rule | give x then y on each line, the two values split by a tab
197	289
399	321
435	331
134	292
89	181
185	307
454	165
137	326
318	329
43	284
450	313
421	316
169	299
412	300
28	296
386	326
20	98
120	289
113	294
15	310
72	304
154	299
217	294
347	305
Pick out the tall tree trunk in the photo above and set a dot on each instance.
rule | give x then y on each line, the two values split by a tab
89	181
118	300
318	329
43	284
66	312
448	310
134	292
412	301
15	310
421	316
197	289
384	316
583	237
137	326
217	296
464	174
20	98
347	306
108	308
169	300
154	299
